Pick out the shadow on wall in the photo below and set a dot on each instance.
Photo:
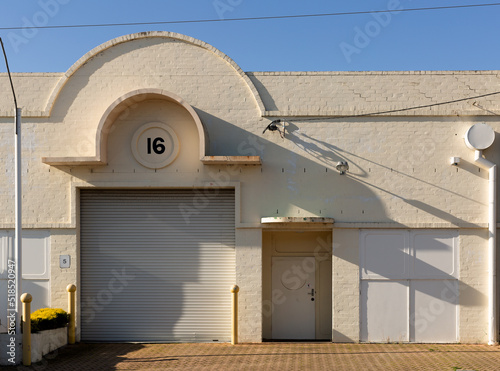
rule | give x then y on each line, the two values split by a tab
300	171
323	151
289	182
298	176
264	94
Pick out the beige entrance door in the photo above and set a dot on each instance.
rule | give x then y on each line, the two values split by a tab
294	298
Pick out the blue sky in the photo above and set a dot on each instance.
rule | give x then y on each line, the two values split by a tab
452	39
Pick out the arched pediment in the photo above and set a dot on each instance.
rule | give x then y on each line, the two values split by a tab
114	111
143	35
129	100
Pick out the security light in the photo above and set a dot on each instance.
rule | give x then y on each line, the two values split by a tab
273	126
342	166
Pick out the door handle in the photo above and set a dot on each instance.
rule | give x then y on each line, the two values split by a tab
311	293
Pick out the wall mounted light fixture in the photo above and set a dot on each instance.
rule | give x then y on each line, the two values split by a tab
275	126
342	166
455	161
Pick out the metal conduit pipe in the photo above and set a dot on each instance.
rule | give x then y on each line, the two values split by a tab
478	138
492	242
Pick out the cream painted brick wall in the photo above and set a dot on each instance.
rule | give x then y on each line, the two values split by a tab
399	167
347	93
306	92
399	171
32	91
63	242
345	285
249	280
46	190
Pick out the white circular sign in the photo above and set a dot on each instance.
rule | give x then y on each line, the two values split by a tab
155	145
479	136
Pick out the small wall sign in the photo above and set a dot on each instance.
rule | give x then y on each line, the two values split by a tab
64	261
155	145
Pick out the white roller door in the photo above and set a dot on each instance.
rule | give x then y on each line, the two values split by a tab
156	265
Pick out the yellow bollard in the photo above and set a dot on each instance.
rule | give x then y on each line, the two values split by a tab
234	319
71	311
26	300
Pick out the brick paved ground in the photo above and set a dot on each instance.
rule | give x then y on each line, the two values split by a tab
270	356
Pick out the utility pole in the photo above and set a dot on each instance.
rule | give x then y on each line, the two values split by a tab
17	263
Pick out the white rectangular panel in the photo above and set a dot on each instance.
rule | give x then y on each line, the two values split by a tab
384	311
5	252
434	312
35	250
384	254
434	254
35	264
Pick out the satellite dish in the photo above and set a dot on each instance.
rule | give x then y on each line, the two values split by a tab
479	136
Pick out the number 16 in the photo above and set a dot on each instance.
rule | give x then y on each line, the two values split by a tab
156	146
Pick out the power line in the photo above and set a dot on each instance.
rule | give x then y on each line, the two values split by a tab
8	72
251	18
484	109
399	109
424	106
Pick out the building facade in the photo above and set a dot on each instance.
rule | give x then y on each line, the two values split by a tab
149	182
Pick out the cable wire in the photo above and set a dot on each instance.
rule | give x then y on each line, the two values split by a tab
400	109
252	18
8	72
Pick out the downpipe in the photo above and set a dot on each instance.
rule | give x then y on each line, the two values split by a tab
492	241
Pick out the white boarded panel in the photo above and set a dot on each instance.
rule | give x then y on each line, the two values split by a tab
435	311
5	251
384	311
35	253
434	254
35	250
3	305
35	263
384	254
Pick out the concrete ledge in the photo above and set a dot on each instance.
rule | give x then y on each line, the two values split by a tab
296	219
207	160
72	161
231	160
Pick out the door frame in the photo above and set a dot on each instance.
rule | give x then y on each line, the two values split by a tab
317	243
